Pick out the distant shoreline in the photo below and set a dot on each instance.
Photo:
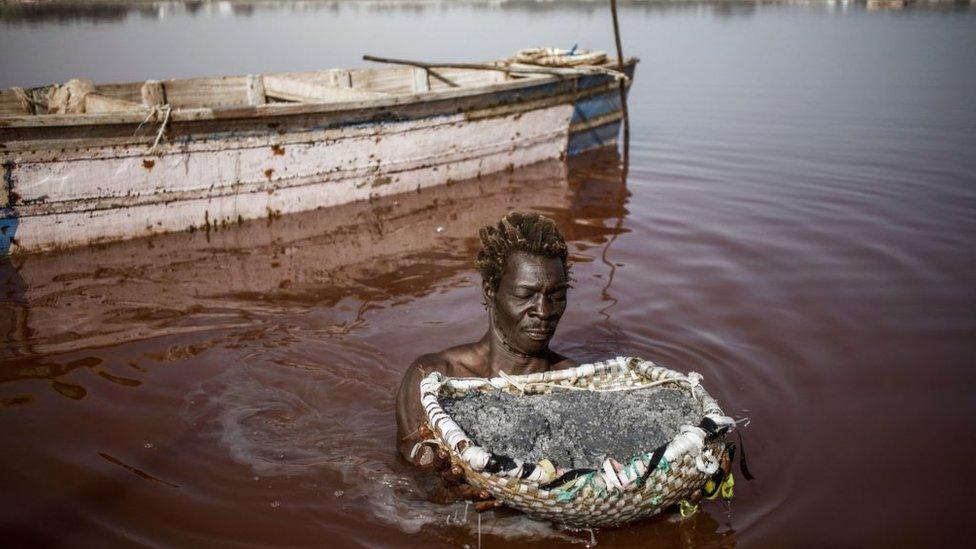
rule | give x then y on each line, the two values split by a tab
13	12
622	3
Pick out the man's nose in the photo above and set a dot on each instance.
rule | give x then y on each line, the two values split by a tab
543	308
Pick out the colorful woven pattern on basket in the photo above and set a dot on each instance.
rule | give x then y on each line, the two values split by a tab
608	494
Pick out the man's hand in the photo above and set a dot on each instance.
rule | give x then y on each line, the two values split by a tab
453	487
431	458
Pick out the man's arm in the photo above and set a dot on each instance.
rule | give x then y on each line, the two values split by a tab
409	412
410	416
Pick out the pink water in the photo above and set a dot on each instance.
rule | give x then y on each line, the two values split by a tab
797	225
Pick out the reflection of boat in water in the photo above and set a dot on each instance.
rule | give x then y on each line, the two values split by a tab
86	163
390	249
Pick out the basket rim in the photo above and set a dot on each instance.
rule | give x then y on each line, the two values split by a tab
689	440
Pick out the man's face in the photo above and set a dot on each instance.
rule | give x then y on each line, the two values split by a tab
530	299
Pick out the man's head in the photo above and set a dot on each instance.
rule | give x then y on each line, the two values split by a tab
524	278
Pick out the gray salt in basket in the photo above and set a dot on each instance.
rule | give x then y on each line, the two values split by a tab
607	494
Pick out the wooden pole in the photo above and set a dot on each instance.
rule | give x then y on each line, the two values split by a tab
623	84
564	72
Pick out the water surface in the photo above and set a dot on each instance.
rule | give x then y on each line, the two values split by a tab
797	224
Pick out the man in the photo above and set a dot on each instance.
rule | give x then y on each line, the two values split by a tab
524	282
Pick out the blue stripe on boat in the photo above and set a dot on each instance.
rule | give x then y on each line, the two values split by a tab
8	228
593	107
593	138
593	81
8	218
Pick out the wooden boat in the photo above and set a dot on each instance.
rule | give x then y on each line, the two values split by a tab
388	251
118	161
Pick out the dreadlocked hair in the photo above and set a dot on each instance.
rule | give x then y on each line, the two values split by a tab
517	232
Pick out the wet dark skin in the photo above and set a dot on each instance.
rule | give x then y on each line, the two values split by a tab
523	314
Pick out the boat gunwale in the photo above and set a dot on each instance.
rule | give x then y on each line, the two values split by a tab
272	110
45	149
35	152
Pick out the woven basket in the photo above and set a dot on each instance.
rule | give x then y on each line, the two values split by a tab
603	495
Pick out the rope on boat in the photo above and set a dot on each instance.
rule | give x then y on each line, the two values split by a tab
154	113
70	97
583	61
26	102
556	57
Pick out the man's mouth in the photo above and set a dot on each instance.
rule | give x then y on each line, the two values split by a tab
539	333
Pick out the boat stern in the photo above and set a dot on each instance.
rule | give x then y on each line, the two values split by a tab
597	119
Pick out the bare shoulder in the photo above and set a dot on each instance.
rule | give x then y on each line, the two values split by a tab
431	362
409	392
450	362
409	411
469	359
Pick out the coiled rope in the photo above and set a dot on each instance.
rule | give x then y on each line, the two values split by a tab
556	57
583	61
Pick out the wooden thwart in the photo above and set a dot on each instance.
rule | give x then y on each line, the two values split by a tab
340	78
293	88
421	80
256	94
97	103
207	92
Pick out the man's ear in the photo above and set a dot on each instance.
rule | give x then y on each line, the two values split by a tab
488	293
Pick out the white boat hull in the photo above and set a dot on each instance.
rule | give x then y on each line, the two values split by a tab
188	188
